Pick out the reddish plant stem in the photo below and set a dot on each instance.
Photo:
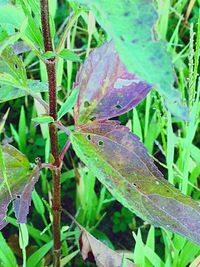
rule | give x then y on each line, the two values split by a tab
65	148
51	72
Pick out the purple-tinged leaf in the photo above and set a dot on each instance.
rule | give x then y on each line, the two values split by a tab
107	89
16	183
131	24
120	161
21	204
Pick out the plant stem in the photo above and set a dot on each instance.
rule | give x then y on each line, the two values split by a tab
51	72
65	148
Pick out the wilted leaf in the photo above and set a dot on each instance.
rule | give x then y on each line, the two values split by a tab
96	251
18	185
106	88
8	92
196	262
131	24
121	163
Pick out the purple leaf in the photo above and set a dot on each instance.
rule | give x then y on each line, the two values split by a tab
120	161
16	183
106	88
23	201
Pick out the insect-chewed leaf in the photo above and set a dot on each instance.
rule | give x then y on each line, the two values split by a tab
121	163
131	25
94	250
107	89
16	183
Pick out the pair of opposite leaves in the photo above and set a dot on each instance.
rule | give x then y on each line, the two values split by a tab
111	152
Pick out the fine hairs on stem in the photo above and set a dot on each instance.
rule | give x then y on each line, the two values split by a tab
51	72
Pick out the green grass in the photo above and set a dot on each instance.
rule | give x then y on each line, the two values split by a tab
174	145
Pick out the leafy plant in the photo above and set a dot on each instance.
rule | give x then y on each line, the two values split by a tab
121	219
112	81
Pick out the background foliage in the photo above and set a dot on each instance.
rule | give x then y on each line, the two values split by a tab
174	144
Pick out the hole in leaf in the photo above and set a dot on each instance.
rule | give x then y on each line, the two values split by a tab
86	104
167	73
15	65
118	106
93	118
134	41
126	14
89	137
100	143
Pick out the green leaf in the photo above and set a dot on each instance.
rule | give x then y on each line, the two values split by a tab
30	29
10	14
153	257
69	103
7	257
39	206
9	80
43	119
9	41
16	183
22	130
3	120
48	55
68	258
14	66
23	236
37	256
122	164
139	256
130	24
8	92
69	55
3	34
